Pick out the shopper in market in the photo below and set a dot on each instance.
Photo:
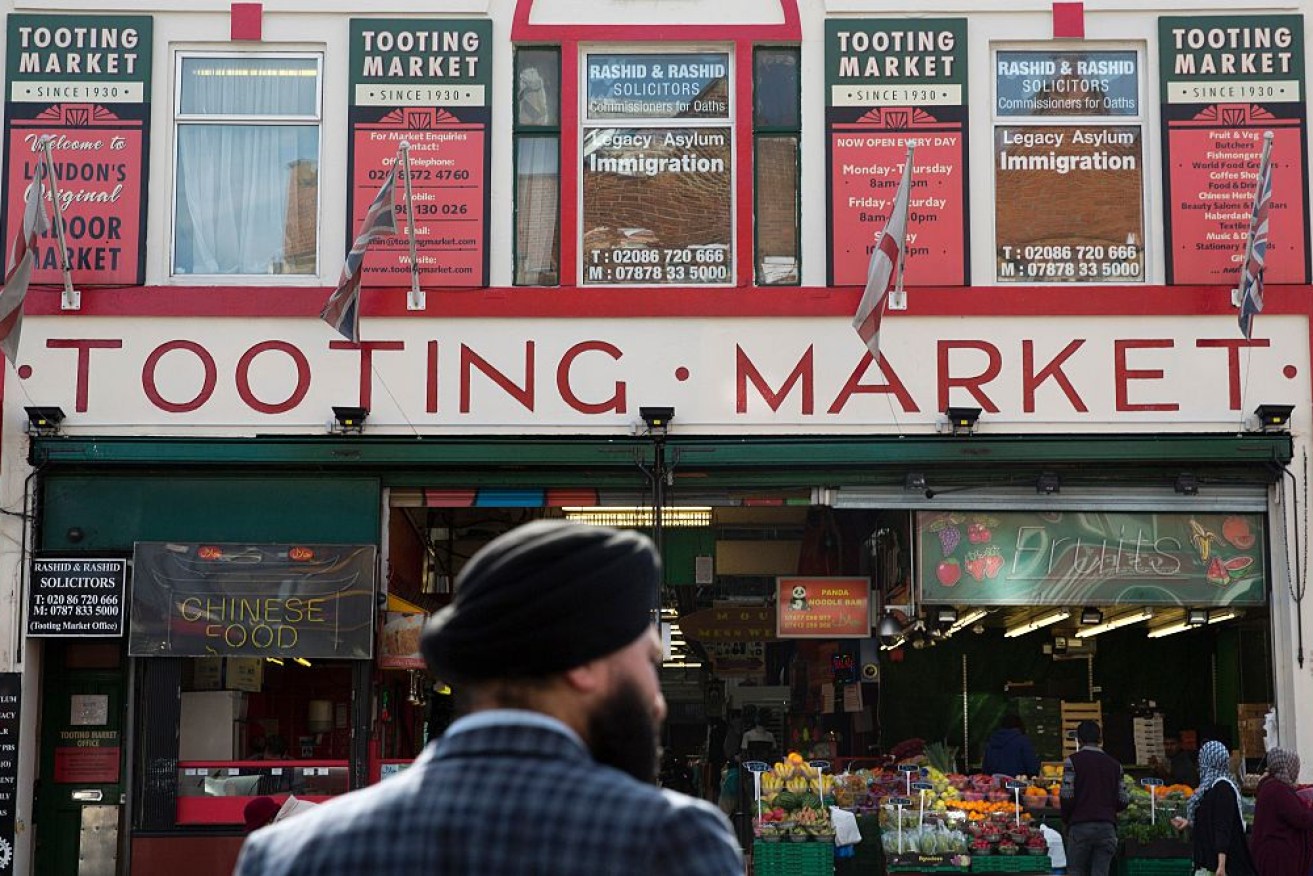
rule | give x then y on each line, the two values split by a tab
1282	842
1214	812
552	767
1092	795
1009	750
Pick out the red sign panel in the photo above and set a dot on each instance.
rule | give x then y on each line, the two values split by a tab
823	608
87	766
98	169
866	166
447	190
1212	175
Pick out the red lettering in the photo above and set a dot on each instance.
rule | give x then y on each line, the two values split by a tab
855	386
616	403
1232	347
470	359
802	373
367	349
1123	375
431	380
244	378
207	385
84	346
970	384
1032	380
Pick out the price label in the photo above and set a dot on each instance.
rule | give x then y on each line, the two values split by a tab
819	764
900	801
908	768
1151	782
756	766
1017	786
922	786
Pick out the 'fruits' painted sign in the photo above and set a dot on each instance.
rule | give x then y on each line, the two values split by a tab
1091	558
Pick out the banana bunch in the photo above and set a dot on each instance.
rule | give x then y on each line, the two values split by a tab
796	785
821	785
771	783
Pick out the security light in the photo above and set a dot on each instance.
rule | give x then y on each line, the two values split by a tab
350	419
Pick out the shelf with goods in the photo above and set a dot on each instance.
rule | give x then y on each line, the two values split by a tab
1073	713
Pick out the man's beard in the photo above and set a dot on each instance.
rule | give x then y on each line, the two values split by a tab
623	734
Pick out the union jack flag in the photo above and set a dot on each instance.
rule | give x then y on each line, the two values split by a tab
342	311
22	259
1251	274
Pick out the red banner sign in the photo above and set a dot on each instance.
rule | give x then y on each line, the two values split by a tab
99	179
823	608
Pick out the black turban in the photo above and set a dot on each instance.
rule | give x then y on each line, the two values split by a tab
543	598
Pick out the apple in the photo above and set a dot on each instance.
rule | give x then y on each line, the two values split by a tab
949	572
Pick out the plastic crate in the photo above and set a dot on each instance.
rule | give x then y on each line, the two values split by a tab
1011	864
1156	867
787	858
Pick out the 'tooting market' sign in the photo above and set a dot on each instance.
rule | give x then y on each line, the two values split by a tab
263	600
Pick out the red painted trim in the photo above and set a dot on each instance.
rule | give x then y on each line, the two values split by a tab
1069	21
744	166
695	303
247	21
523	31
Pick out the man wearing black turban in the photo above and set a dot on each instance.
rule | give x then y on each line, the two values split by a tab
551	769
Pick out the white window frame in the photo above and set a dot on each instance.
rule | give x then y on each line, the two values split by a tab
179	118
1149	157
729	122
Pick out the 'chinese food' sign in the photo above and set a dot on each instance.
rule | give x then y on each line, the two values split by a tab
1091	558
266	600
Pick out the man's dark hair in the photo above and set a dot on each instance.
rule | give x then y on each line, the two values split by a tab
1087	733
1012	722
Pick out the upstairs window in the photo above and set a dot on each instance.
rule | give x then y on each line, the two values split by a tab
777	128
537	166
247	164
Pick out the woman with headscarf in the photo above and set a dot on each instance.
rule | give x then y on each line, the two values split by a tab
1283	825
1214	810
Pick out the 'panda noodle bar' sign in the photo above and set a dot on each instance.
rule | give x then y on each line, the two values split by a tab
823	608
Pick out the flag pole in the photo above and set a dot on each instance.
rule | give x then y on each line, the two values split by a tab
416	300
898	295
1238	291
72	298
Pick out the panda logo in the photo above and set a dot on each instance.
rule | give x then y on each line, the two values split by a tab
799	600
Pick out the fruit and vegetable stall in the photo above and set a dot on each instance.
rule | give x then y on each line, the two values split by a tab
918	816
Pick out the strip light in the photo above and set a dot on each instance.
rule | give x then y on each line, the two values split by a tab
1125	620
1037	624
1182	626
966	620
640	516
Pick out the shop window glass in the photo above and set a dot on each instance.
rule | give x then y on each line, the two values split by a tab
537	166
1069	133
246	190
775	120
657	169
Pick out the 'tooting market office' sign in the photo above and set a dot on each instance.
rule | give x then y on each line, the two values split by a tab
203	600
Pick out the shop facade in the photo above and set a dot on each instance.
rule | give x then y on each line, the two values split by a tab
639	244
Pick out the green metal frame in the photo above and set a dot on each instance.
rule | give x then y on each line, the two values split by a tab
705	462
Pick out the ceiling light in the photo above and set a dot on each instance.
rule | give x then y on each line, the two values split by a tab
946	615
1037	623
1196	616
638	517
1090	616
966	620
1125	620
1194	619
1226	614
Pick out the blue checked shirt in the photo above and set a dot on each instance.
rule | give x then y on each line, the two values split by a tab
501	794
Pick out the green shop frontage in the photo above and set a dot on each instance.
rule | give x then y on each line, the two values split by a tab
278	585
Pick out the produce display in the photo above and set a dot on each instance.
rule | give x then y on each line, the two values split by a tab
794	804
1144	820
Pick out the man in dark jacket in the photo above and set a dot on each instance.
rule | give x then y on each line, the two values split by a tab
1092	795
1009	750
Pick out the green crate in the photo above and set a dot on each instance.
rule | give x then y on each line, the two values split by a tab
1155	867
1011	864
788	858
